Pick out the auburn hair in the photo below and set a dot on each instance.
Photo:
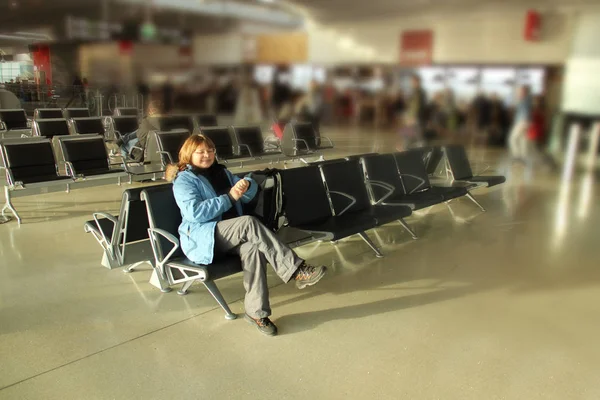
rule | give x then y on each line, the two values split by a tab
185	155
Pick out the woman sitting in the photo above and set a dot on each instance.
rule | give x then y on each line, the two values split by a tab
209	197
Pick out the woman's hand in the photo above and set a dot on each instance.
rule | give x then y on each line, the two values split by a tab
238	190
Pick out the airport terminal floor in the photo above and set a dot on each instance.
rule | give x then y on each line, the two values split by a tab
501	304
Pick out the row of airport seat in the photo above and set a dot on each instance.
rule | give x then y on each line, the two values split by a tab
323	201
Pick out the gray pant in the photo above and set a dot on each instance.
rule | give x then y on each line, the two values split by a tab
256	245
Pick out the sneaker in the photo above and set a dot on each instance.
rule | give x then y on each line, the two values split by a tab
308	275
264	325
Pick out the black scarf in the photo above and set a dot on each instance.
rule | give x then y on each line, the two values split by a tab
217	177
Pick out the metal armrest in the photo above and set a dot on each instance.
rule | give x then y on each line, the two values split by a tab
70	169
161	152
102	238
247	147
383	185
3	126
305	143
326	137
352	200
417	178
161	262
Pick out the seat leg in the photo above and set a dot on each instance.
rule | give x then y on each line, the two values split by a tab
470	197
408	228
9	206
131	268
184	289
214	291
371	244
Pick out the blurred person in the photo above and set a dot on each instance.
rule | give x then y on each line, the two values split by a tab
248	110
309	107
517	140
417	104
281	92
481	110
410	134
498	121
210	197
536	135
133	144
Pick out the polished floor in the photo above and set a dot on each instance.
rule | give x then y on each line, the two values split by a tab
495	305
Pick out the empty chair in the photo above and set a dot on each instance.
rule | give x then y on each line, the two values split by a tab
387	187
47	113
126	111
345	185
207	120
415	179
250	141
13	120
169	144
86	156
300	138
51	127
175	122
459	167
76	113
123	238
223	141
88	125
28	163
171	265
307	208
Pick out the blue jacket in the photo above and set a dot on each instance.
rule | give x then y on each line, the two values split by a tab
201	209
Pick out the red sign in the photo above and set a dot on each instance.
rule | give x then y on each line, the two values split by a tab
416	48
533	22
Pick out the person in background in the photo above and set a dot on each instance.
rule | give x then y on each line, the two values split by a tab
417	104
410	134
536	135
310	106
517	140
248	110
210	197
498	121
132	144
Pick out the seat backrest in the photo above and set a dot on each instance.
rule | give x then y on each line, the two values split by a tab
30	161
458	161
434	158
171	142
125	124
46	113
14	118
51	127
359	156
250	136
77	113
412	171
222	140
304	197
163	213
84	126
207	120
133	216
172	122
346	177
305	132
126	111
88	155
382	167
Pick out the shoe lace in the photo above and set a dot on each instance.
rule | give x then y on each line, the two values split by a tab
305	271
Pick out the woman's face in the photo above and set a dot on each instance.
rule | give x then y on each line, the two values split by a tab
203	156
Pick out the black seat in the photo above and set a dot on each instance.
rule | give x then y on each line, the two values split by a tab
14	119
125	124
28	162
432	159
76	113
47	113
359	156
250	141
307	207
86	156
349	196
169	144
124	238
84	126
51	127
126	112
387	187
461	168
223	142
175	122
164	219
414	176
300	138
207	120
